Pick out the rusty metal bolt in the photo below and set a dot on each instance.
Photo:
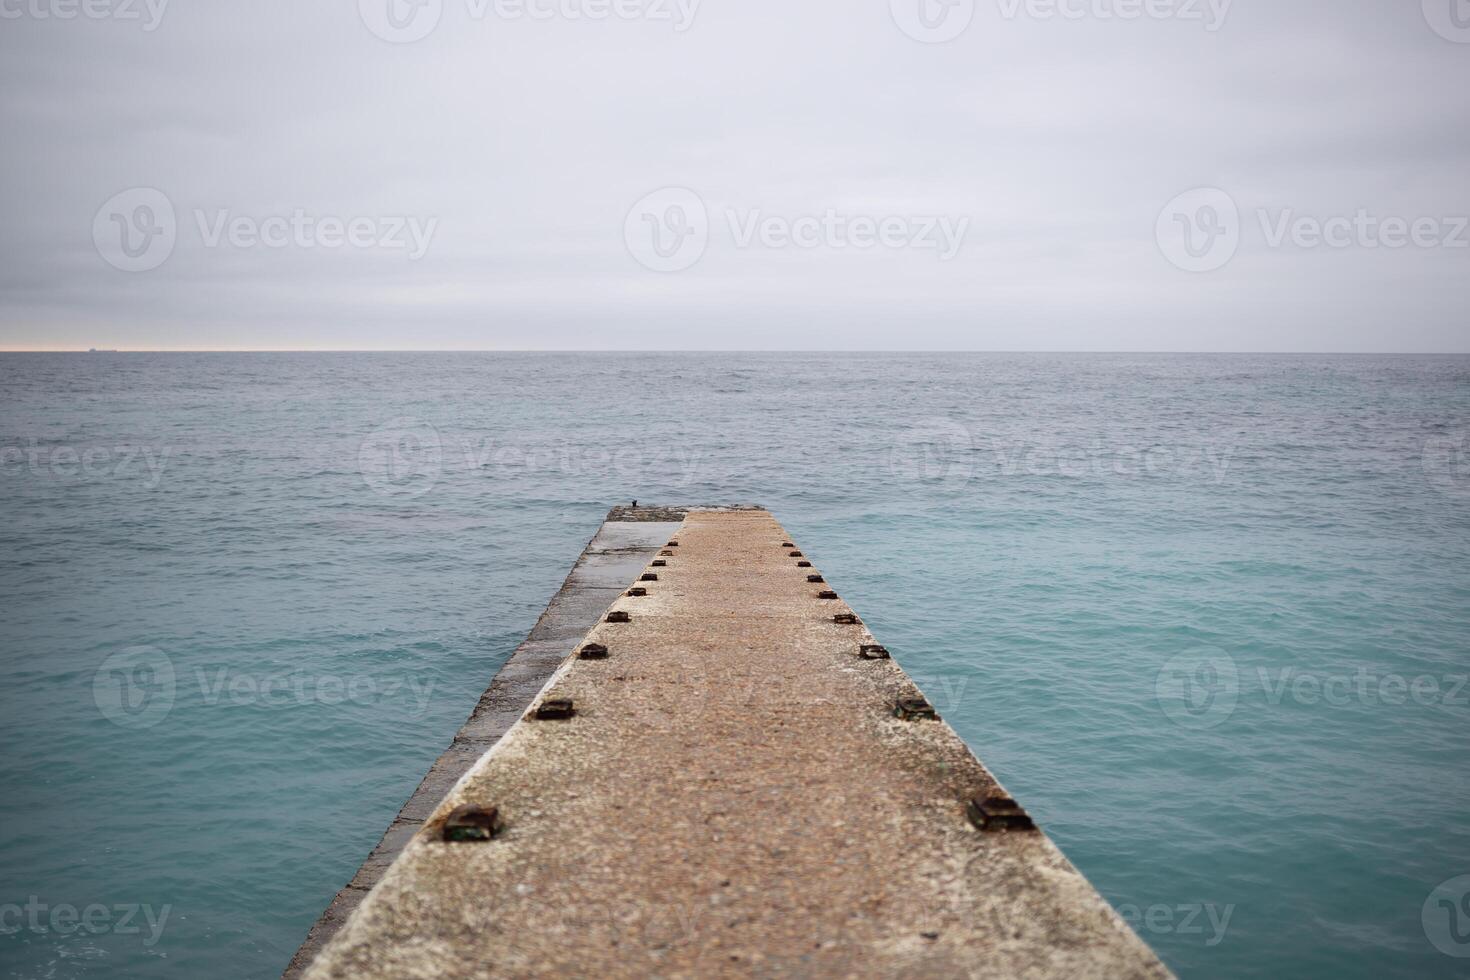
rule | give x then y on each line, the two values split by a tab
637	592
827	594
993	812
673	544
914	709
472	823
666	553
592	651
787	544
845	619
619	616
872	651
649	577
557	709
796	554
815	579
659	563
803	564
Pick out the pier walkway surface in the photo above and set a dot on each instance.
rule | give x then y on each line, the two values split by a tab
726	775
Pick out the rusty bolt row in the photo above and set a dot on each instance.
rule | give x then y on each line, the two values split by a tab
914	709
472	822
994	812
555	709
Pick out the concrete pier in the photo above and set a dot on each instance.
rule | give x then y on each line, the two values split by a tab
726	775
617	553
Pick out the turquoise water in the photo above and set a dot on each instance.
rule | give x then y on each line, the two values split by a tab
1208	616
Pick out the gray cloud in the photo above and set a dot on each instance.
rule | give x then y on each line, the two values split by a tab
529	141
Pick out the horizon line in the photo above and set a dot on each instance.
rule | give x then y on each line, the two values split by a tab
735	350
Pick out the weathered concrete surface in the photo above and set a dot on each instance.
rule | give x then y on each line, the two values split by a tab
733	797
616	554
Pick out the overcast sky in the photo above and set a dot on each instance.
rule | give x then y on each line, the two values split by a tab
692	174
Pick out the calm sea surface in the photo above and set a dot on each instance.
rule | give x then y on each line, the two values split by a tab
1207	616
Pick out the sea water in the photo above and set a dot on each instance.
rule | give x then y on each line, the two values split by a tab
1208	617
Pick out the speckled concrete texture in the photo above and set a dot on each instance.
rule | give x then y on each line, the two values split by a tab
733	797
622	546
